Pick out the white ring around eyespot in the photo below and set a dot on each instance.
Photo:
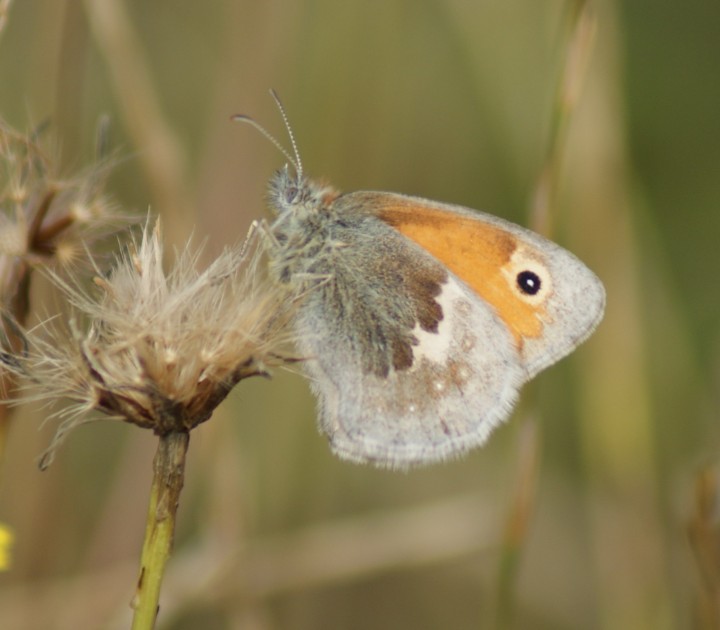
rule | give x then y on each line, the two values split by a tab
520	261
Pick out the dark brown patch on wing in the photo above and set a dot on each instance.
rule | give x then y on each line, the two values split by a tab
425	287
402	355
401	293
422	286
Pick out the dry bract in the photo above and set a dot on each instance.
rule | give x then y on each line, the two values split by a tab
45	220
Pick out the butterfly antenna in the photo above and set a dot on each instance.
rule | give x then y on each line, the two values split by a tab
297	162
254	123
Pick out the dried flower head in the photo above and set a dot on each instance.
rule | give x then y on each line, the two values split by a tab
160	350
45	220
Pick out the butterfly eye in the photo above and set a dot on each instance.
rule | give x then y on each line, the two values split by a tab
291	193
529	282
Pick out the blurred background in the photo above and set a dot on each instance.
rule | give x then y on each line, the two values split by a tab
595	506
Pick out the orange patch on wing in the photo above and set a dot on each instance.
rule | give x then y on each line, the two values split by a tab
476	252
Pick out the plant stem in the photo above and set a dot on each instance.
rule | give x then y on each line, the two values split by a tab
576	54
168	478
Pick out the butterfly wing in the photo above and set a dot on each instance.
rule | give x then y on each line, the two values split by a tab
426	318
409	365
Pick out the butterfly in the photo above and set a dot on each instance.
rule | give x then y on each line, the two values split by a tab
420	320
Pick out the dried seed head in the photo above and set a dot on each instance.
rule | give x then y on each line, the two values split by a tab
46	220
160	350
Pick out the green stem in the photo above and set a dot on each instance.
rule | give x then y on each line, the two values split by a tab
168	478
576	53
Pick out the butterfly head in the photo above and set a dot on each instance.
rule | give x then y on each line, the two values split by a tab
291	192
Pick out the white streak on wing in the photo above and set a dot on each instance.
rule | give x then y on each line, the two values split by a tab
435	346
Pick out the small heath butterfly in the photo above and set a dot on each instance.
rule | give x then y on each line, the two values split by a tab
420	320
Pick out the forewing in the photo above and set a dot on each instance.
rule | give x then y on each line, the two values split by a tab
488	253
